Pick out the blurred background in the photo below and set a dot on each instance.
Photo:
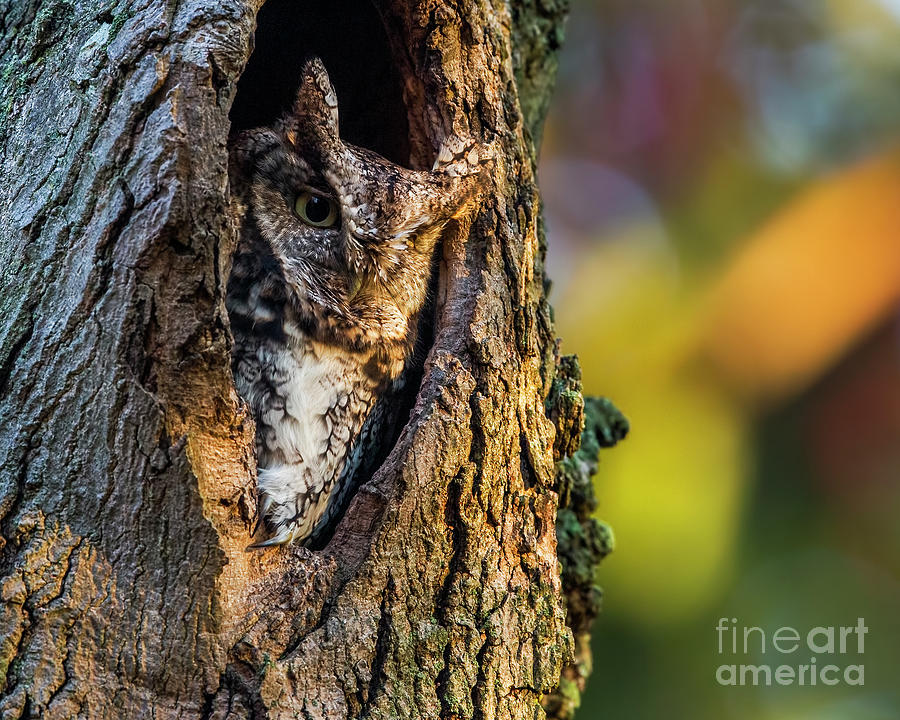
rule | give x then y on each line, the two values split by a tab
722	193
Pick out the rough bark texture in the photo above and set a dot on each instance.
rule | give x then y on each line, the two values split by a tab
126	469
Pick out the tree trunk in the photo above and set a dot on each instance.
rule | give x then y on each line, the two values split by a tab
127	493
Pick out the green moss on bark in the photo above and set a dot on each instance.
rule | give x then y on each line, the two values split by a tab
584	426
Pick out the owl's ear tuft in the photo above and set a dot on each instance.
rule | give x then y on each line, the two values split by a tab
316	102
464	167
460	156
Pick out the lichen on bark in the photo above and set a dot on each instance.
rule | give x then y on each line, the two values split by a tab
584	426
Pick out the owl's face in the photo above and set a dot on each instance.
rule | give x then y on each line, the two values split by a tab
353	232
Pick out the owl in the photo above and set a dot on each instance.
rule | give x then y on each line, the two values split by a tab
328	280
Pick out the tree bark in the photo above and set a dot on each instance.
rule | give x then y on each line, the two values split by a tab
127	493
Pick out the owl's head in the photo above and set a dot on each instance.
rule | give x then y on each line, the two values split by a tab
353	233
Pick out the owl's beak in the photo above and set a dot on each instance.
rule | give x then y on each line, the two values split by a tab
354	285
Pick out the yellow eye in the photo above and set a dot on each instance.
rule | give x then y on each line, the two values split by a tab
316	210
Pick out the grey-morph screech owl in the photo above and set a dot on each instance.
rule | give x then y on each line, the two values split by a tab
328	280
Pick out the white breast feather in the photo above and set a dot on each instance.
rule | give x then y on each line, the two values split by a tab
318	388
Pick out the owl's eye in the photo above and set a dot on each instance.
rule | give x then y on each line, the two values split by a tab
316	210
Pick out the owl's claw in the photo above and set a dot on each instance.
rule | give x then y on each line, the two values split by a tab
286	533
271	542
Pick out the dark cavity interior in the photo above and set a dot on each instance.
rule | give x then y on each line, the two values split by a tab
350	38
